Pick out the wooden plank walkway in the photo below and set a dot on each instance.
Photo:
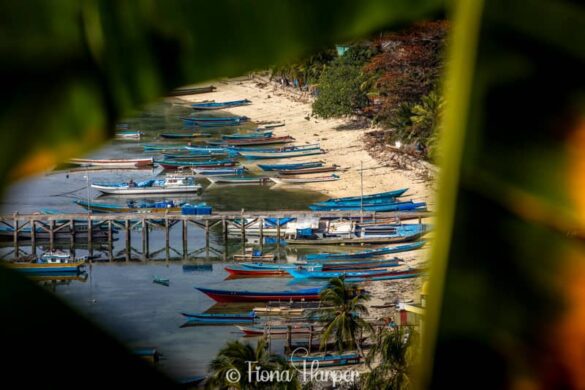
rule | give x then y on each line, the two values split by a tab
101	227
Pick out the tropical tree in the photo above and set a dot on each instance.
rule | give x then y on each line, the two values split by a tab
237	357
344	321
391	355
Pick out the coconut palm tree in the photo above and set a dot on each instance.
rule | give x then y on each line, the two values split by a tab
391	353
244	358
345	321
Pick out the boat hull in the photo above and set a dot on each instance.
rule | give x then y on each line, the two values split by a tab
147	190
226	296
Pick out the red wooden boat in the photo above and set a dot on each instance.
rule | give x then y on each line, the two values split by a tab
310	294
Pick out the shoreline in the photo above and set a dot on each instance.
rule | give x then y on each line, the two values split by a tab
345	145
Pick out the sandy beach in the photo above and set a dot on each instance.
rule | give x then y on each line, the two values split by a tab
345	147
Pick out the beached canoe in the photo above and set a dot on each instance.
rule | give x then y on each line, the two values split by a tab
259	155
388	194
219	171
184	136
408	274
288	148
215	118
280	167
168	185
162	147
191	91
219	105
301	180
114	163
238	179
310	294
258	134
308	171
365	254
253	141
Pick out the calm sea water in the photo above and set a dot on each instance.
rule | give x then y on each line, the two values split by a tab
120	296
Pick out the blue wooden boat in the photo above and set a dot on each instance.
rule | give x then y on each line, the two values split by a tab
388	194
278	267
288	148
152	147
392	206
201	149
220	172
173	164
309	294
265	134
306	274
413	273
220	105
193	156
48	266
197	267
250	316
274	153
365	254
282	167
184	136
216	118
100	207
160	280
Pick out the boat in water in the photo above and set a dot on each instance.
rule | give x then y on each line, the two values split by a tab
129	134
172	184
365	254
48	265
306	274
162	281
184	136
131	207
381	207
114	163
310	294
173	164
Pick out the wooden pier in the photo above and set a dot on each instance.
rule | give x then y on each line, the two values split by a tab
89	228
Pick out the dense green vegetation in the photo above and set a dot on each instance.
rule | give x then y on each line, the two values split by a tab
393	80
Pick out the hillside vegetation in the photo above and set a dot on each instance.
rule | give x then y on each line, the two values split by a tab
392	80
